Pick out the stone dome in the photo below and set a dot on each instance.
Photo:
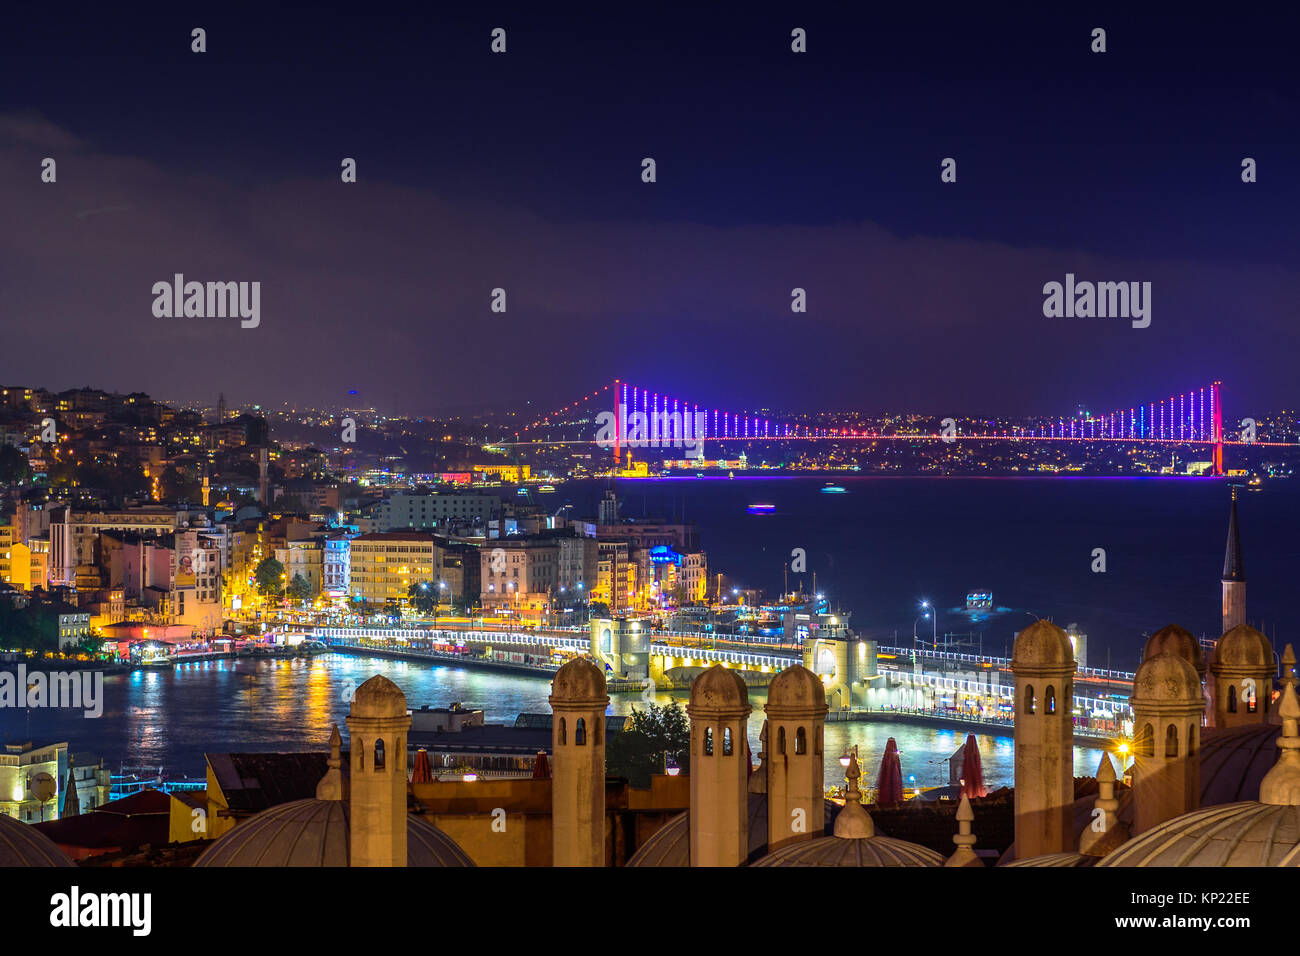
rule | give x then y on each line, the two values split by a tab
23	845
719	688
378	697
670	845
1233	834
1172	639
796	686
315	833
1042	644
850	851
578	680
1243	647
1166	678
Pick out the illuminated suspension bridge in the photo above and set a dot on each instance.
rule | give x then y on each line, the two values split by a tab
622	413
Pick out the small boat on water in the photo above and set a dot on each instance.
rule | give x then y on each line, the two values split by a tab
830	488
547	489
522	492
761	509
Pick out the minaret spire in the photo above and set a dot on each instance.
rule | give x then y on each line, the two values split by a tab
1234	574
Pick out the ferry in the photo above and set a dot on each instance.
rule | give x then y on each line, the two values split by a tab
761	509
832	489
547	489
979	601
522	492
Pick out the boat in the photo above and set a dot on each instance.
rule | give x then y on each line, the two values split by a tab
522	492
761	509
546	489
832	489
979	601
1256	483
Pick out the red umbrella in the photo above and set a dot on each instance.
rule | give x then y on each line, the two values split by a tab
421	772
889	784
541	767
972	773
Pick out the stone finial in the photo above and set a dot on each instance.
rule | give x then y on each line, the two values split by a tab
1105	831
1281	785
331	785
964	855
853	822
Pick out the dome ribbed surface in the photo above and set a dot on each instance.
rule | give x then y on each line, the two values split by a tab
24	845
1071	858
839	851
1235	834
315	833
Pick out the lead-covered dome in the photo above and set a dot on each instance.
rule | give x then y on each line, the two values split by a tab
1234	834
24	845
1042	644
315	833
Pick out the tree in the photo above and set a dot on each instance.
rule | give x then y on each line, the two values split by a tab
598	609
14	469
300	589
651	736
424	596
269	575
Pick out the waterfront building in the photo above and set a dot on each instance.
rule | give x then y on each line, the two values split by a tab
384	565
444	511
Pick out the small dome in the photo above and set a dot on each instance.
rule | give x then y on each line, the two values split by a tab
578	680
842	851
23	845
1167	678
378	697
796	686
1172	639
670	845
1042	644
1245	647
315	833
719	688
1233	834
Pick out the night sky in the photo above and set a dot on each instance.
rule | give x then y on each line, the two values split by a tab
775	170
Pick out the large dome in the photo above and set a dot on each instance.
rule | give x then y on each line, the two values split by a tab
24	845
315	833
1069	858
850	851
1235	834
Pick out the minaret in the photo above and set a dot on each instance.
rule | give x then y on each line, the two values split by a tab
377	722
964	855
1043	664
1104	832
1241	675
796	717
578	701
719	818
1234	574
1167	710
1281	785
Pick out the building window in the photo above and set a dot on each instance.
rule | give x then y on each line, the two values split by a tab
726	742
1051	699
1029	698
580	732
800	741
379	754
1171	741
708	741
1232	698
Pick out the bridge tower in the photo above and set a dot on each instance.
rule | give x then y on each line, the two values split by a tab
1216	422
